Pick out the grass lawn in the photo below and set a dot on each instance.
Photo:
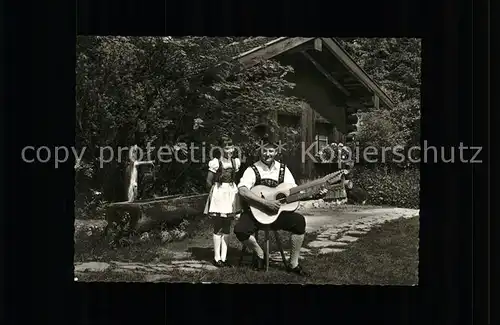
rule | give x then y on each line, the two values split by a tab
387	255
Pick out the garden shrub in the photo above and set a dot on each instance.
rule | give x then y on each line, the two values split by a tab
397	188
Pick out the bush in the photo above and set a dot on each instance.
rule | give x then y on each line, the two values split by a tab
90	205
398	188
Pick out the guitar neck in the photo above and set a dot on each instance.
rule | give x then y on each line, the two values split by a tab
305	191
303	194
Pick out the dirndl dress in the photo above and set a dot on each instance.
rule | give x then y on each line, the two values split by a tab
223	199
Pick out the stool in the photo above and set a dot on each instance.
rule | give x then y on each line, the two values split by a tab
266	247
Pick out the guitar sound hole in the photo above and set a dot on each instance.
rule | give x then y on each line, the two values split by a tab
280	196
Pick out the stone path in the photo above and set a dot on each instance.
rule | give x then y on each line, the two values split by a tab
335	238
153	272
335	234
182	261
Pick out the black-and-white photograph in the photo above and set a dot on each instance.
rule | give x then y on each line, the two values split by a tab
273	160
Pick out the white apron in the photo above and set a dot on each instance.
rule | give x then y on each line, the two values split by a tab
224	199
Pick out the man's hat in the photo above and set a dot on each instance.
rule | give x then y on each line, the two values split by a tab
265	134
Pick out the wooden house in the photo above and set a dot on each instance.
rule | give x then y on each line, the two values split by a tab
333	86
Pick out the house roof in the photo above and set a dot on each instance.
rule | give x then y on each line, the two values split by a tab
334	46
253	50
238	48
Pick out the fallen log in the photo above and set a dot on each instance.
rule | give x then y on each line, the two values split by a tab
143	212
144	215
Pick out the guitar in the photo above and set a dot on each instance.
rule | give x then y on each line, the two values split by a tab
290	196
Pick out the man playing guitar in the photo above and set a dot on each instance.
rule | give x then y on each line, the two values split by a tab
267	171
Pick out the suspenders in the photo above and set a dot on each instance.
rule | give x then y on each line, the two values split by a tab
257	175
269	182
281	177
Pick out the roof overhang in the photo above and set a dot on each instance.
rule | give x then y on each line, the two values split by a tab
335	48
283	44
270	50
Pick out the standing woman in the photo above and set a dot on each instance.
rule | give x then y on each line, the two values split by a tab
223	202
132	172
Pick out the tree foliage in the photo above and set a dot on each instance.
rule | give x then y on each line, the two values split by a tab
394	63
162	91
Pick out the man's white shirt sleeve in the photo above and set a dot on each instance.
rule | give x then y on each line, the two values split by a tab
248	179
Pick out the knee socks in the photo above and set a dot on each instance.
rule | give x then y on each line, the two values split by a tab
223	247
252	244
296	241
220	247
217	247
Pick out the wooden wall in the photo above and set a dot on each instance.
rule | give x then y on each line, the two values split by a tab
308	131
320	97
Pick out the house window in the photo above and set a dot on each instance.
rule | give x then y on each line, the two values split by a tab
321	140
